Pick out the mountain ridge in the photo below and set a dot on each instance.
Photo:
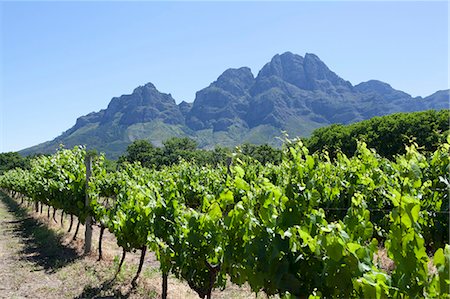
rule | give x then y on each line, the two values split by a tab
290	93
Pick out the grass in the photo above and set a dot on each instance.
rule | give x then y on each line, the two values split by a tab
42	246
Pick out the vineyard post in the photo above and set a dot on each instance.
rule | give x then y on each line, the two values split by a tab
88	232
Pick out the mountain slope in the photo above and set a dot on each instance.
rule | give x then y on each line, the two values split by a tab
291	93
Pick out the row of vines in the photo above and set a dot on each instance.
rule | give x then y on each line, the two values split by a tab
310	227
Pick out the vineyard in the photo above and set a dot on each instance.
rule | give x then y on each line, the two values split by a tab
311	226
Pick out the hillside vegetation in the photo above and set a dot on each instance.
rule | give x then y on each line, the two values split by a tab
387	134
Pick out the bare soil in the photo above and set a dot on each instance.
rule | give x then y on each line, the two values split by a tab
40	259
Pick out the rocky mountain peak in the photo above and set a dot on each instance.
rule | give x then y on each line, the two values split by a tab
320	77
185	107
145	104
142	88
292	93
235	81
306	73
374	86
223	102
288	67
380	89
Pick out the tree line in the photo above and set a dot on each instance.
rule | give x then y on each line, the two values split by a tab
386	134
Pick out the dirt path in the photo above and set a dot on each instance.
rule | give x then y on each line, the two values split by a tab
39	259
20	275
25	270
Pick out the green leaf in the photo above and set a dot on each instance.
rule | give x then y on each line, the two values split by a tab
353	247
439	257
214	211
226	197
310	162
335	251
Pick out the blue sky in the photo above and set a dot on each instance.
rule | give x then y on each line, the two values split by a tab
61	60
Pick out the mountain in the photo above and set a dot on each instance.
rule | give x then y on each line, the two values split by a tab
146	113
290	93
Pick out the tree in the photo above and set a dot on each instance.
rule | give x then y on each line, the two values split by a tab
386	134
144	152
264	153
12	160
177	144
177	148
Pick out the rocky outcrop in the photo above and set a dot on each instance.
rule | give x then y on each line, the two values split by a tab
291	93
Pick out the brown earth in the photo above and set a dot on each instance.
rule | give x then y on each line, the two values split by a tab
39	259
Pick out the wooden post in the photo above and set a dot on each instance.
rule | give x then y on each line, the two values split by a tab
88	224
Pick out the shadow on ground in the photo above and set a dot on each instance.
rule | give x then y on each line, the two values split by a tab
42	246
100	291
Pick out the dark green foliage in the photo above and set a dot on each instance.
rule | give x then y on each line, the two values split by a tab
110	165
13	160
176	149
179	144
219	155
144	152
264	153
386	134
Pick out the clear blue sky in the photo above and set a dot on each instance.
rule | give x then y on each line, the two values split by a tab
61	60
